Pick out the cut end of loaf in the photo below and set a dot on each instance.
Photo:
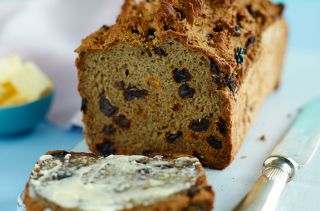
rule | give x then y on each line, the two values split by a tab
160	99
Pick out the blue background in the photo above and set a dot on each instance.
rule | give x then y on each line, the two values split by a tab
18	154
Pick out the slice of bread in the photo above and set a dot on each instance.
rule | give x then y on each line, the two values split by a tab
82	181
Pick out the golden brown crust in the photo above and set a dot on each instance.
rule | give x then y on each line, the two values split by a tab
170	10
200	195
191	22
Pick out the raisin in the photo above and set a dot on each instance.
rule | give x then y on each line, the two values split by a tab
262	138
61	175
108	130
106	148
181	75
151	33
160	51
214	142
240	17
176	107
126	72
218	28
105	27
252	12
222	126
147	152
209	37
239	55
84	107
220	82
200	125
180	13
227	81
213	67
172	137
134	93
122	121
230	82
194	190
144	171
251	40
237	31
106	107
166	27
59	155
185	91
135	31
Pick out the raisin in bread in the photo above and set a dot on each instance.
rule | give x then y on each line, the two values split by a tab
82	181
180	76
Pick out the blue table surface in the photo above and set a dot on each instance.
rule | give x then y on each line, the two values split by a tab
18	154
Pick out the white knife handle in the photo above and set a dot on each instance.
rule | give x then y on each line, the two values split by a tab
266	192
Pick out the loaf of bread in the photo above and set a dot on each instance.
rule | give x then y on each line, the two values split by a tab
180	76
82	181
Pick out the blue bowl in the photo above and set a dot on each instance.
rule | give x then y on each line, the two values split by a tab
21	119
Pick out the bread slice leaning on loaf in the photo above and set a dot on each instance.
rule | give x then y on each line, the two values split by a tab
180	76
82	181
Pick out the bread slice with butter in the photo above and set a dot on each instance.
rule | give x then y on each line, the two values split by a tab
83	181
21	82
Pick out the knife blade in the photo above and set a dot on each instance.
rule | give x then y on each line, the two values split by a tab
294	151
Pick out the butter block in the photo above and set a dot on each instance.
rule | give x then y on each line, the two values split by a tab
10	96
21	82
30	82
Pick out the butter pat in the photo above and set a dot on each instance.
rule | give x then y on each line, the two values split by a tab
21	82
9	96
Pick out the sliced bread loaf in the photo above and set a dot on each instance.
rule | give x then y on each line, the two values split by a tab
180	76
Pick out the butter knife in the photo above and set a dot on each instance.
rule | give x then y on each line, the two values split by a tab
294	151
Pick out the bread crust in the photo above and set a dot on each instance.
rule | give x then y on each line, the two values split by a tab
205	14
202	198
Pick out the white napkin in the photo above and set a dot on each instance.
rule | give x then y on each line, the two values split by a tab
47	32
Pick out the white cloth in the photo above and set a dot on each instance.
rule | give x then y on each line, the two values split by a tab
47	32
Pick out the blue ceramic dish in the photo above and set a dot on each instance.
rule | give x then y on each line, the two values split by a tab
20	119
